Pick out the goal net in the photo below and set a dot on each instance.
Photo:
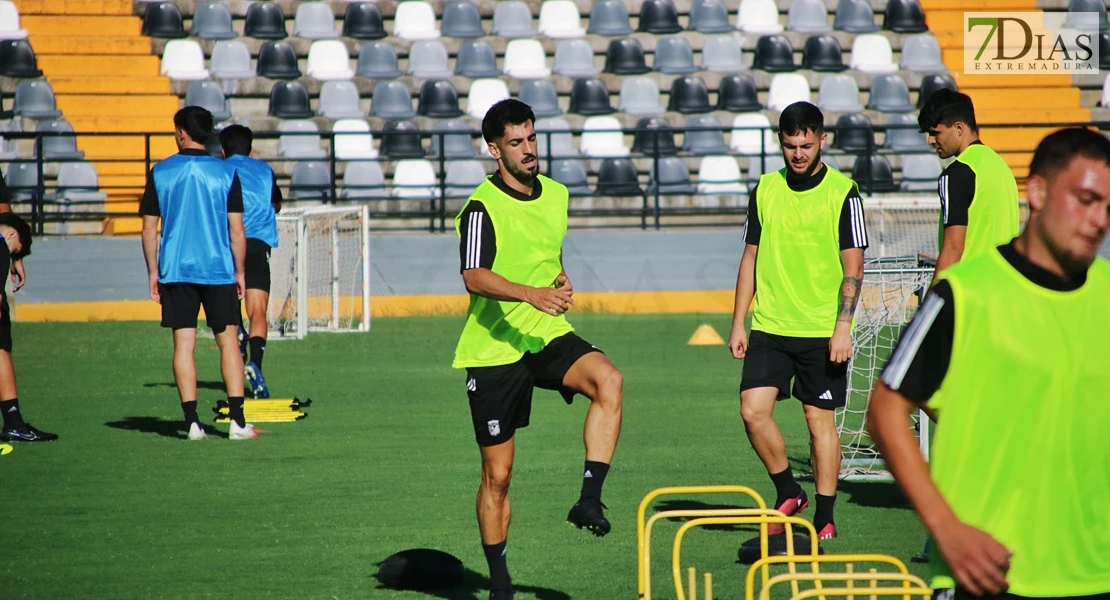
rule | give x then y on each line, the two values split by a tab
320	272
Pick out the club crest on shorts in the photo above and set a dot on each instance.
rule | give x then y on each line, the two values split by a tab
472	385
494	427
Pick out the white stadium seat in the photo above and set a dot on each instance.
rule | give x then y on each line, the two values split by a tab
183	60
602	137
786	89
720	175
415	20
328	60
356	141
414	178
484	93
525	59
871	53
560	19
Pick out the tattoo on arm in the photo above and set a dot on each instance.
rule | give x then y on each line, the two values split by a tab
849	297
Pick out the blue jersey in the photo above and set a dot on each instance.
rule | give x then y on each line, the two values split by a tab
257	181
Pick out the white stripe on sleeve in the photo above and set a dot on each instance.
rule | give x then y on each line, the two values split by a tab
943	191
474	240
859	227
911	341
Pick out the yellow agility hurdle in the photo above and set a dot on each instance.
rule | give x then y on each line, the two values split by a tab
847	559
912	586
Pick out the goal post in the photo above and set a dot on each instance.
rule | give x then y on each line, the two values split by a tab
320	272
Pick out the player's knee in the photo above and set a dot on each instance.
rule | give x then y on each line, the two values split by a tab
820	421
610	387
496	478
754	414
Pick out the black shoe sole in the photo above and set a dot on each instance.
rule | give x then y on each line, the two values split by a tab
598	530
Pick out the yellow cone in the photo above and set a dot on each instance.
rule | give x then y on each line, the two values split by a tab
705	335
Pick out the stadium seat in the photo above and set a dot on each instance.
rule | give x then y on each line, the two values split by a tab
1073	21
654	135
17	59
674	56
871	54
401	139
339	100
759	17
752	135
212	21
23	181
872	173
428	60
58	147
314	21
590	97
415	20
484	93
462	21
554	139
378	60
890	94
183	60
540	94
352	140
364	180
602	136
363	21
709	16
9	22
163	21
704	135
659	16
1104	51
618	177
689	95
572	174
328	61
773	53
639	97
905	16
476	59
462	177
574	58
439	100
34	99
609	18
786	89
265	21
231	60
720	175
78	182
1104	100
673	177
513	19
289	100
311	180
722	54
921	54
415	179
278	60
300	139
525	59
454	136
737	93
839	94
920	172
903	134
8	150
854	134
625	57
208	95
932	83
758	165
560	19
823	53
391	100
808	16
855	16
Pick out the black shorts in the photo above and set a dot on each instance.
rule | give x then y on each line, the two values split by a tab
5	324
181	304
961	594
501	396
773	360
256	268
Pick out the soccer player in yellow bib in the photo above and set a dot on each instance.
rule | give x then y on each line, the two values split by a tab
516	336
803	264
1010	348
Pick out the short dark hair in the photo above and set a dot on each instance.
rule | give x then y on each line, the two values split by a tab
945	107
196	122
801	117
1058	148
506	112
236	139
21	227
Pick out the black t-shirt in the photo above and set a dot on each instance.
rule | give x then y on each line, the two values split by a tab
921	358
149	206
956	188
5	195
478	241
853	228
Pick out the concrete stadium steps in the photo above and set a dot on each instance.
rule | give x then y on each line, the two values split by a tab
61	24
89	44
94	65
129	106
107	85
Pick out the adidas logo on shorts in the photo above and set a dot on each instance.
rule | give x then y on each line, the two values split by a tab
472	385
826	396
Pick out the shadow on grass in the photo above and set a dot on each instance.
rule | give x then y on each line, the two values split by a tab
163	427
695	505
201	385
874	494
475	586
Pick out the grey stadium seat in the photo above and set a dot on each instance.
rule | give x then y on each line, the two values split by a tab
889	93
392	100
476	59
674	56
456	139
571	173
709	16
77	182
609	18
575	58
839	93
921	54
920	172
59	147
428	60
554	132
23	180
339	100
363	180
461	20
855	16
231	60
722	54
513	19
640	97
310	180
300	139
401	139
378	60
314	21
673	177
462	177
903	134
541	96
34	99
708	141
208	95
808	16
1073	21
212	21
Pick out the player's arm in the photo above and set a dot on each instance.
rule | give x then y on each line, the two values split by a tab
151	211
956	188
237	233
853	241
745	279
275	194
18	274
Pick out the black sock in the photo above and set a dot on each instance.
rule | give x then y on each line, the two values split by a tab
593	477
498	571
824	513
235	410
257	346
785	486
12	417
190	410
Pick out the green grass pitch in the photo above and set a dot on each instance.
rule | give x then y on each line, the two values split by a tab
123	507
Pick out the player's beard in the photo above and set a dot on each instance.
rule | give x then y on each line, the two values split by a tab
810	168
522	173
1074	267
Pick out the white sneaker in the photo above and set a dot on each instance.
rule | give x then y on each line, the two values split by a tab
241	433
196	432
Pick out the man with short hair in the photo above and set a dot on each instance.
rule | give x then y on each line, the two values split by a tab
803	266
199	260
261	203
516	337
1010	349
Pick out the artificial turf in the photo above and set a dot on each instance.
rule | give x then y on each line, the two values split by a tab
124	507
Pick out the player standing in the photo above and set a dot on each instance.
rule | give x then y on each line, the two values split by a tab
199	260
1010	348
261	203
803	264
19	275
516	336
